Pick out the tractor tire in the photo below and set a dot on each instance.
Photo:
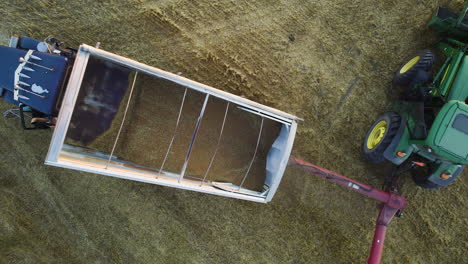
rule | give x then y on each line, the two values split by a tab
379	137
408	71
420	177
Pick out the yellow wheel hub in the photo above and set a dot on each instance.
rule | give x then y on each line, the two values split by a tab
409	64
377	134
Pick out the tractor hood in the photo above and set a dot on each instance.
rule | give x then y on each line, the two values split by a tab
459	88
449	134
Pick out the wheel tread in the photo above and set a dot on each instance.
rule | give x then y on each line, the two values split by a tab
427	59
376	155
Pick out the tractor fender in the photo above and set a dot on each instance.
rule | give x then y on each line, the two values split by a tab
445	167
389	152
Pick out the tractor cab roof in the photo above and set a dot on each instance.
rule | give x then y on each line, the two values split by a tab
448	136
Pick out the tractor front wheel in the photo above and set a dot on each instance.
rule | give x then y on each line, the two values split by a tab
408	71
380	135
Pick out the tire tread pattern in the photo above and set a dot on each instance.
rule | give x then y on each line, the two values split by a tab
376	155
427	59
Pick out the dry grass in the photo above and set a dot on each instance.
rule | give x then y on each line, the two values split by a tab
329	62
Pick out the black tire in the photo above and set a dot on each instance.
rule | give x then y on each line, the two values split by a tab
421	177
404	75
376	154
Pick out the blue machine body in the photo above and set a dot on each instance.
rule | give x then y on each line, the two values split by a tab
42	78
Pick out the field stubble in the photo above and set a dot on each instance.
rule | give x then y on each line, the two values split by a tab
330	62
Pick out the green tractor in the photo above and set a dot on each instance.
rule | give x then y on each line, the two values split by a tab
428	125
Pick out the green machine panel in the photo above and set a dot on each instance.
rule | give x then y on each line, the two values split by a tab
459	90
451	133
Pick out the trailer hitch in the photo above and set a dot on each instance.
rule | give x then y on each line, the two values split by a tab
38	120
392	203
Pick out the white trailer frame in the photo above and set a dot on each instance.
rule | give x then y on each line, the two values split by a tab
61	155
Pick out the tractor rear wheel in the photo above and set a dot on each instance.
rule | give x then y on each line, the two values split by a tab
408	71
379	136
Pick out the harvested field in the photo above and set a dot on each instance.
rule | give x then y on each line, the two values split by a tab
329	62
